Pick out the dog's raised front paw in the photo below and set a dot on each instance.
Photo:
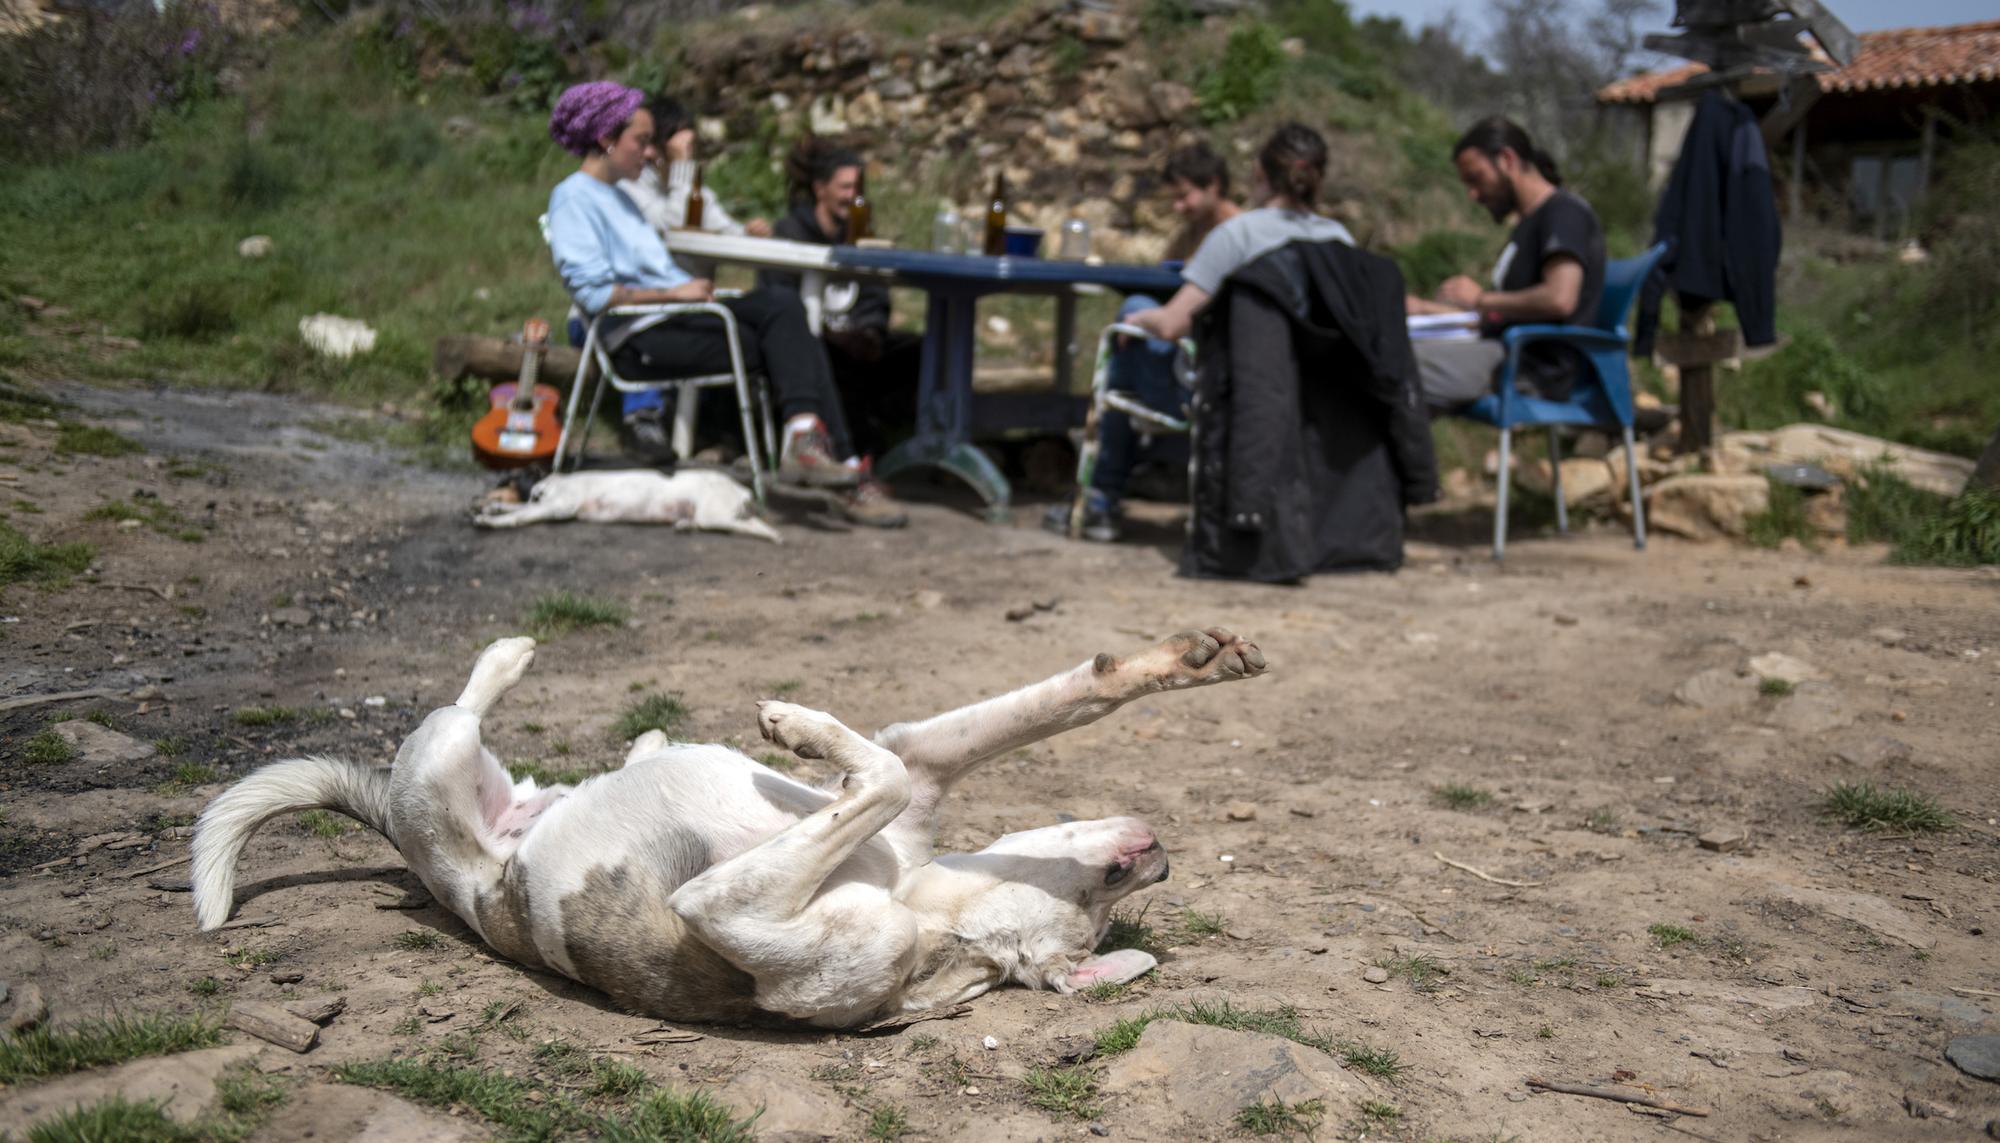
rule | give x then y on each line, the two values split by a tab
1189	659
805	732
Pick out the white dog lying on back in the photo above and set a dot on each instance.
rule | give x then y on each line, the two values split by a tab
697	884
690	498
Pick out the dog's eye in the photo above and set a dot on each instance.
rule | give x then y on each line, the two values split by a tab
1114	873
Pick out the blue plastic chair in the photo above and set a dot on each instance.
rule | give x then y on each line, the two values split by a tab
1601	398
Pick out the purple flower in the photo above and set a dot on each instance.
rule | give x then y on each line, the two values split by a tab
190	42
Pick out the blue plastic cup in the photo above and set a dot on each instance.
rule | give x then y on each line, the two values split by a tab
1023	242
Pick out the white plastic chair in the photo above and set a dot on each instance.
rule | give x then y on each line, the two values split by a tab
750	390
1102	397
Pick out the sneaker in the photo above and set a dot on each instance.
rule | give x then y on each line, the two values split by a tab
808	459
1100	520
872	506
643	434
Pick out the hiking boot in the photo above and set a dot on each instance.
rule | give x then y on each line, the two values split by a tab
808	459
643	434
1100	520
872	506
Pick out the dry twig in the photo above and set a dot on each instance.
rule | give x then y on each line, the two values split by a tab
1485	876
1640	1098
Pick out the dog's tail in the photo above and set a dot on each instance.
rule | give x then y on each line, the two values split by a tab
360	791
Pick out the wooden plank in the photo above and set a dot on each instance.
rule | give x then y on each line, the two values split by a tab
269	1022
468	355
1684	349
1697	387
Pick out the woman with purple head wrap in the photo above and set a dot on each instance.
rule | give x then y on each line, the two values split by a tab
610	256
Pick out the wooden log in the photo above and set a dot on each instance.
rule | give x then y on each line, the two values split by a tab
319	1012
1986	474
1697	387
269	1022
469	355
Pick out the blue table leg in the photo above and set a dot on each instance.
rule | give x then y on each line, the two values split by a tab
944	405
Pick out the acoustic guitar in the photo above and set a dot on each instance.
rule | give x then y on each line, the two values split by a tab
520	430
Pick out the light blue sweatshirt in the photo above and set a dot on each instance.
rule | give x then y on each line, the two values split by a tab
600	240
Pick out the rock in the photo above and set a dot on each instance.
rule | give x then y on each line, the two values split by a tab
1096	27
1976	1017
928	600
1813	708
1728	839
1242	811
1171	101
1878	751
1703	506
1717	688
292	617
1828	514
256	246
792	1112
1584	479
1889	636
1845	454
184	1084
337	1113
1921	1108
101	746
335	336
1977	1056
1375	974
1864	910
1778	665
29	1009
1209	1074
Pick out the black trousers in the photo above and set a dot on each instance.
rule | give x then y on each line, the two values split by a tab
878	382
771	326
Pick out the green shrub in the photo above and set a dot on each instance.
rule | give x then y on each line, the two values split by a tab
22	559
1964	533
1439	254
1772	391
1783	519
1247	76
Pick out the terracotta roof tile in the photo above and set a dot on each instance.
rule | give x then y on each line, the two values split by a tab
1902	57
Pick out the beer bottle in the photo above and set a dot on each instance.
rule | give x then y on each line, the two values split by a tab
996	216
860	216
692	219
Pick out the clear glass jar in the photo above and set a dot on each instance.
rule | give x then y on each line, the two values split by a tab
1075	244
948	232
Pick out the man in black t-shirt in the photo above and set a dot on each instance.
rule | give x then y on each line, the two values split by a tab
1551	272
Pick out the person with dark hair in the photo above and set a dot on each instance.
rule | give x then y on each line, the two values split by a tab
1290	168
661	191
1552	270
1198	180
875	367
608	255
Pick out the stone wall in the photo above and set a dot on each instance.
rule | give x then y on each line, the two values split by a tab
1060	97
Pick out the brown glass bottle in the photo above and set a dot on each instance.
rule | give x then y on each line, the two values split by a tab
860	216
692	219
996	217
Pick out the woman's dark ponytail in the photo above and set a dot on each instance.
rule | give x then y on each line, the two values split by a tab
1294	163
1495	134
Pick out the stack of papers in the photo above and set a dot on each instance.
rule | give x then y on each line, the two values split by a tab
1444	327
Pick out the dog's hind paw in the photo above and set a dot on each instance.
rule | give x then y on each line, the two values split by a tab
1189	659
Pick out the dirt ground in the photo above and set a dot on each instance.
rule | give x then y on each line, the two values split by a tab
1826	972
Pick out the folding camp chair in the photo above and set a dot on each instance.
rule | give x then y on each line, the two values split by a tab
1103	397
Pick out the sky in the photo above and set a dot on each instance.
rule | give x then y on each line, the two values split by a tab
1860	15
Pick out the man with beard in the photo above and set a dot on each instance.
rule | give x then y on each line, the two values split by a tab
1552	271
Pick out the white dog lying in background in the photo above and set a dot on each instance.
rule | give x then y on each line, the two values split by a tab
690	498
697	884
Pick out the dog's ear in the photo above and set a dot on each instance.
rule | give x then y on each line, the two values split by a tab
1121	967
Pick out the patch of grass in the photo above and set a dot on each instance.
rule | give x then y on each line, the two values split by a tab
206	986
1381	1114
888	1122
249	1094
171	745
429	988
1378	1062
532	728
674	1115
1964	533
1545	1032
1105	991
47	748
784	687
1457	797
185	777
661	712
104	718
558	613
1202	924
1783	518
1130	931
1280	1118
504	1100
921	1043
59	1050
259	717
50	565
418	940
113	1120
546	776
249	958
1610	980
1070	1091
154	514
407	1026
1775	687
93	440
322	823
1603	821
1124	1035
1423	972
1862	806
1671	935
1280	1021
